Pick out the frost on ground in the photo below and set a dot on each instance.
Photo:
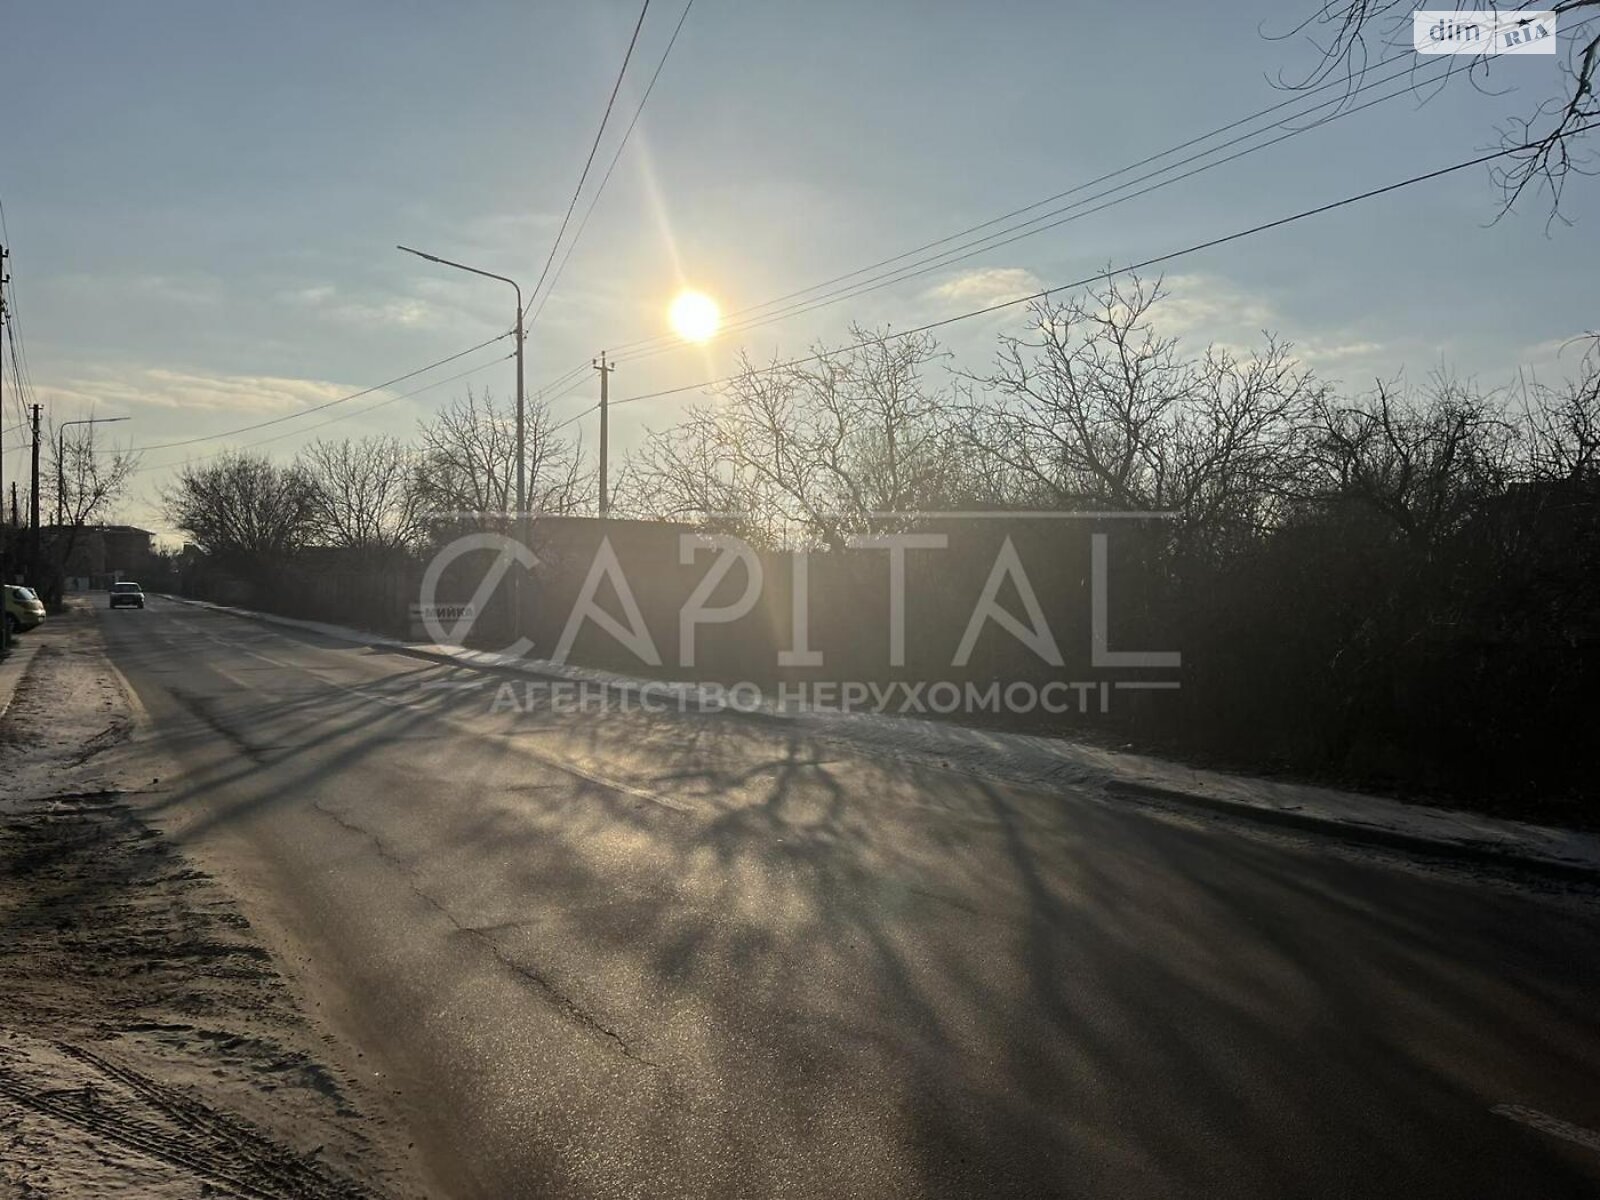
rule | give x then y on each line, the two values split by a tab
148	1047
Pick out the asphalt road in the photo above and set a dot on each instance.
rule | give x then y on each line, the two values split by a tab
690	955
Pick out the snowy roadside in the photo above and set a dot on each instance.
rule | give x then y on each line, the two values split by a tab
148	1045
1045	761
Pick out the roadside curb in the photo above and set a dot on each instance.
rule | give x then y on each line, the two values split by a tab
1350	817
1485	853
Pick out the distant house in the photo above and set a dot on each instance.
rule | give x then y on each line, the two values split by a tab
99	555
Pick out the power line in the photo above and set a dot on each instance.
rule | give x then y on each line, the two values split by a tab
371	408
306	412
1110	273
428	387
562	378
653	346
1044	222
569	389
615	158
22	391
577	416
24	382
573	419
648	347
1016	233
22	372
1250	118
589	162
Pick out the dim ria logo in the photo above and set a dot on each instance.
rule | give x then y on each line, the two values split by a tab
1463	31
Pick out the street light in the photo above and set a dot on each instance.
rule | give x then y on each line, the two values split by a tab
522	476
522	461
61	469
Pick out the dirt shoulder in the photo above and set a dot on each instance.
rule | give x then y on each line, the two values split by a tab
149	1046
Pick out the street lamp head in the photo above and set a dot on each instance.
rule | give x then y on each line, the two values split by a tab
421	254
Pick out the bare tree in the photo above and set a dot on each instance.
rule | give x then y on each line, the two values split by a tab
1543	142
1096	410
825	448
1422	465
366	493
85	478
469	460
243	509
1563	424
84	481
687	473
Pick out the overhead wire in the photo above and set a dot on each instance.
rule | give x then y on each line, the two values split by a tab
615	158
1055	218
14	321
648	347
626	348
643	348
589	161
437	383
305	412
1111	273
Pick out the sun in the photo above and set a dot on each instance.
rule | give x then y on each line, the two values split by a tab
694	316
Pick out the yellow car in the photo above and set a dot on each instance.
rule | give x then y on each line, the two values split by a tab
24	609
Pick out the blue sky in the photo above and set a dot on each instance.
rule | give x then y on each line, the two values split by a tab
202	200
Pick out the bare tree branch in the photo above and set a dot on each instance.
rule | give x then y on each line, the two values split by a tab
366	493
1547	142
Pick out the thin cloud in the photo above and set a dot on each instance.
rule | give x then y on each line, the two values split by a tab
1211	309
160	389
404	313
987	285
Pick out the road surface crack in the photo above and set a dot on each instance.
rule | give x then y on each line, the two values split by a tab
555	995
344	822
480	934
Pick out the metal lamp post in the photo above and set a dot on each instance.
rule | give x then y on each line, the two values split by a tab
61	468
522	462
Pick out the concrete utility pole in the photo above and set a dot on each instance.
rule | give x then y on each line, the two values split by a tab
5	541
605	370
33	504
522	436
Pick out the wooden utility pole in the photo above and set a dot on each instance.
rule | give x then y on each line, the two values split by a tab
605	370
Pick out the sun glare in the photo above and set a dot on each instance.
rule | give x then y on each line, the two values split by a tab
694	316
